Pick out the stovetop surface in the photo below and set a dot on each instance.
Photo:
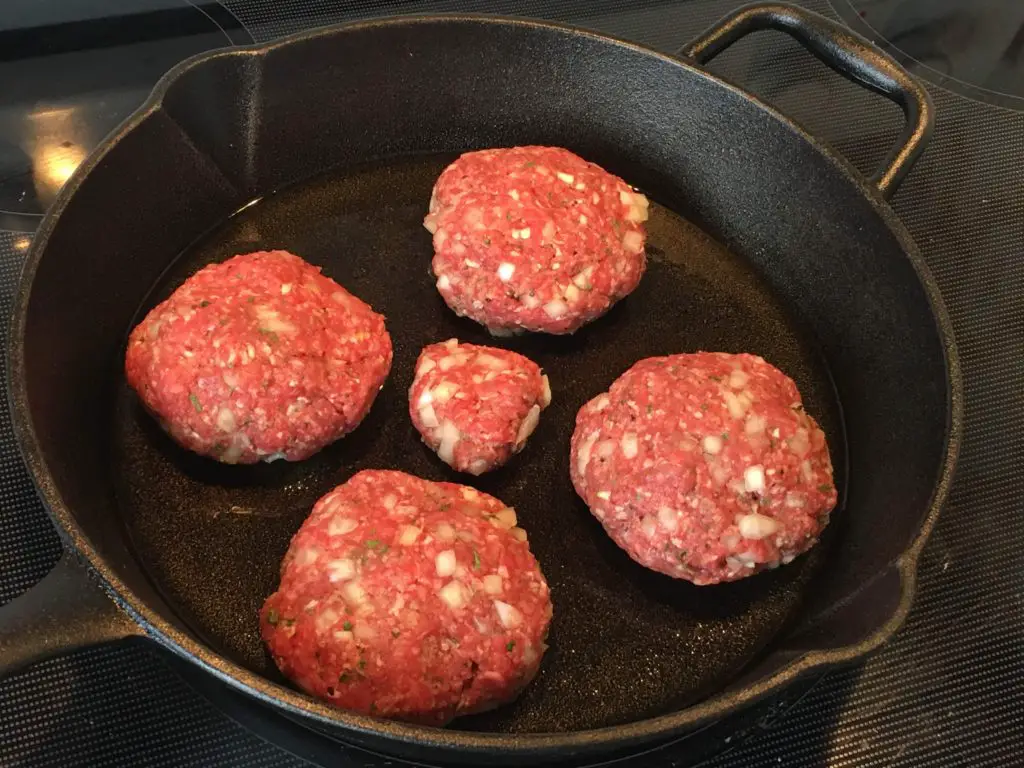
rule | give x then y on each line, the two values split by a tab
947	691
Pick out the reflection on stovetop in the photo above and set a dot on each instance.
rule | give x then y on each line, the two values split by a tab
71	73
972	47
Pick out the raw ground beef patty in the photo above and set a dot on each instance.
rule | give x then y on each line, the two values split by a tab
704	466
476	406
409	599
259	358
534	238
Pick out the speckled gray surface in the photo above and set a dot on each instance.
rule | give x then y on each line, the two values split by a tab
949	690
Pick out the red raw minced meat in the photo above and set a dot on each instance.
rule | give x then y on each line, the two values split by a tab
259	358
409	599
705	466
534	238
476	406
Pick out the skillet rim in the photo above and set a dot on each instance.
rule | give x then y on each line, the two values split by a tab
298	705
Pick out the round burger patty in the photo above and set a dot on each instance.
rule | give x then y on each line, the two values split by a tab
705	467
409	599
476	406
260	357
534	238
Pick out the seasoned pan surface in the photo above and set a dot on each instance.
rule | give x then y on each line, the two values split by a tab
626	643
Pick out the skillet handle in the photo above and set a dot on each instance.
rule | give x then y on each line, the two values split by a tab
847	53
67	610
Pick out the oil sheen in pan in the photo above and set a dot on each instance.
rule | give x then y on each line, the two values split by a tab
625	643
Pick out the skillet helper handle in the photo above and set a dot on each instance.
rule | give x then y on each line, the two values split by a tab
65	611
847	53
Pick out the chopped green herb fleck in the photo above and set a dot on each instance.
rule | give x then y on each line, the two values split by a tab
372	543
345	677
703	407
195	402
476	560
271	335
251	299
487	241
725	435
529	164
715	378
650	409
272	617
204	303
682	555
347	626
824	487
510	646
508	215
362	663
395	632
445	506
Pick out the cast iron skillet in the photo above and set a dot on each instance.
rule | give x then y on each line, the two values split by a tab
327	144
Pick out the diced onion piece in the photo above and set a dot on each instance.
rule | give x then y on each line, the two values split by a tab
604	495
340	570
270	320
508	615
443	392
737	409
583	455
548	231
505	271
428	416
449	435
755	424
712	444
354	593
755	526
389	501
490	361
668	518
409	535
738	379
630	445
493	584
426	366
518	534
443	283
637	208
505	518
572	293
339	526
430	223
528	301
582	279
568	178
445	532
649	527
478	466
445	563
545	392
529	424
605	448
753	479
556	308
450	361
307	556
226	420
800	442
454	594
633	241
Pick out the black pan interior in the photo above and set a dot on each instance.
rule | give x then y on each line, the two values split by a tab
626	643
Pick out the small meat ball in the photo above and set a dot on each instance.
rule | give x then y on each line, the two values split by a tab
705	466
476	406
